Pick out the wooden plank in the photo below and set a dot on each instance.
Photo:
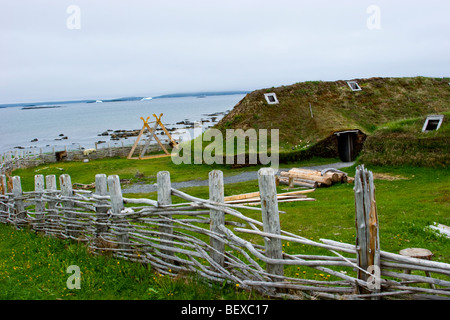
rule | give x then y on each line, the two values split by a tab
101	189
279	197
19	207
39	205
152	134
174	143
271	218
52	218
216	194
67	191
256	194
130	155
117	206
242	196
281	200
164	199
153	157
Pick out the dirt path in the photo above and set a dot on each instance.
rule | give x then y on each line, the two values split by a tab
244	176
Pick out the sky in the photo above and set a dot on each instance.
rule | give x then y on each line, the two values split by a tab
93	49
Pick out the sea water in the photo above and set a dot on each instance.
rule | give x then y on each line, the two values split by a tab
80	125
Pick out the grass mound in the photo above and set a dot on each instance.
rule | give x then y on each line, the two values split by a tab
403	143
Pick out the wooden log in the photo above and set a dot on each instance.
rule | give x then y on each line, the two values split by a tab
216	194
298	182
3	190
256	194
116	211
242	196
318	178
328	174
101	209
52	219
39	205
271	218
165	198
418	253
20	214
366	221
3	185
67	191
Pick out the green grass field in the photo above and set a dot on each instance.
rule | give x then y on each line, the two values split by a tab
34	267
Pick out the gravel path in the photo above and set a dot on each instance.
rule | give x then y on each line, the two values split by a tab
244	176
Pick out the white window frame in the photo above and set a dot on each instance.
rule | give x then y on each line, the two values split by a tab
271	94
439	118
358	88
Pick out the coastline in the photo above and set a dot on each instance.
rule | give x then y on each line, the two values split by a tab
109	143
119	137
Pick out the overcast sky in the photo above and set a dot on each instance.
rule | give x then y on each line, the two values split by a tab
93	49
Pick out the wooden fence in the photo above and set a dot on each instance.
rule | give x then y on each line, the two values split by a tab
18	159
217	242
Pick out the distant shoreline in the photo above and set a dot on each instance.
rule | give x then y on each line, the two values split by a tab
49	104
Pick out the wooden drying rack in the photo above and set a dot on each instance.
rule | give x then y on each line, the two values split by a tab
152	131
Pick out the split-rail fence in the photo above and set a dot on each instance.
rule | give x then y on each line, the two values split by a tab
217	242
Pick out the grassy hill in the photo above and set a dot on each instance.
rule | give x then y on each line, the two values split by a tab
308	113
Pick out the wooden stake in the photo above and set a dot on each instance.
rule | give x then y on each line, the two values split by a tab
165	198
271	218
216	192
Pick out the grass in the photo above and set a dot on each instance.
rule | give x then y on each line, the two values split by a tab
408	200
34	267
336	108
139	171
402	142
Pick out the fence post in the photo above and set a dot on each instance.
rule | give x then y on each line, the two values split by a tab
39	205
116	207
67	191
165	198
19	207
270	218
101	189
366	221
51	221
3	198
217	217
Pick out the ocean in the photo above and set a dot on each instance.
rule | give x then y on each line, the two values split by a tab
80	125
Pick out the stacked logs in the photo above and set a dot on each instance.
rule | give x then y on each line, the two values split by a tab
309	178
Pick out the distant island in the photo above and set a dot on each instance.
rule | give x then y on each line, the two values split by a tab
36	105
40	107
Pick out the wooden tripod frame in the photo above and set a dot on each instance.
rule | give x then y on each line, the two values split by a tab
152	135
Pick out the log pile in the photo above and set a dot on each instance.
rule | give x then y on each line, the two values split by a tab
253	198
297	177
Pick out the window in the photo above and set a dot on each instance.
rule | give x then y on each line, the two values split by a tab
354	86
432	123
271	98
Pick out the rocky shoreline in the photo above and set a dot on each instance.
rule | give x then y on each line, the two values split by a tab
175	129
116	135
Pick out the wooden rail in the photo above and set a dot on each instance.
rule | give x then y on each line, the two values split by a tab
218	242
